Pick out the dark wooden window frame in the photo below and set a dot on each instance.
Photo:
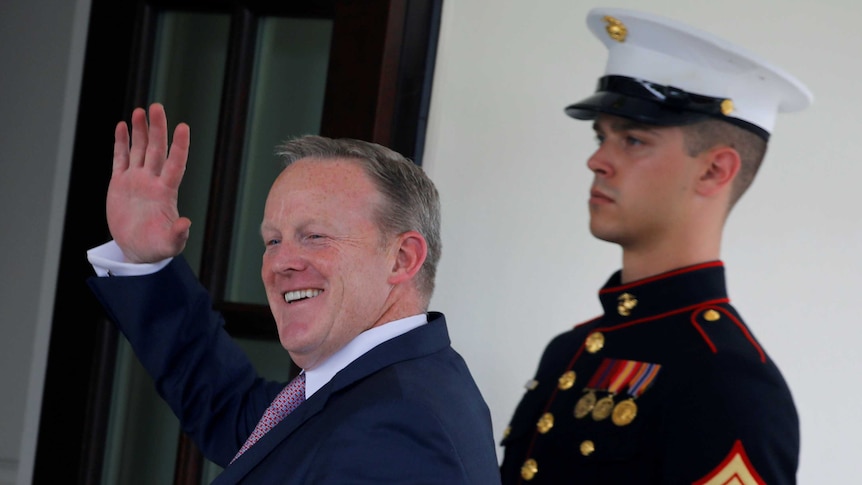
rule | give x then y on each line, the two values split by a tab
378	89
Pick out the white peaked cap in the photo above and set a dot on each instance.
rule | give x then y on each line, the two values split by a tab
660	71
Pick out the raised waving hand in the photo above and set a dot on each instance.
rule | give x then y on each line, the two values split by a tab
142	197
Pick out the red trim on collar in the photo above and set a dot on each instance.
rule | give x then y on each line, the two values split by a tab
649	279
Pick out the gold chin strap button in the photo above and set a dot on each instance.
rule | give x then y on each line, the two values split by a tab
595	341
587	447
711	315
566	381
529	469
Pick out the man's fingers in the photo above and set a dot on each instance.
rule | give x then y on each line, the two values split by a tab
121	147
175	165
137	152
157	149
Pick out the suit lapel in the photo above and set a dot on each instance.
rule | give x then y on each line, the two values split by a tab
423	340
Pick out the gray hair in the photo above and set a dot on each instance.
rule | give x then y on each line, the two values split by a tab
412	202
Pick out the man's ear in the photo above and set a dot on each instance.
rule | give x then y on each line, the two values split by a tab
720	168
410	253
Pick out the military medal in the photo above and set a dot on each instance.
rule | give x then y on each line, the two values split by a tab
621	372
585	404
599	379
624	412
603	407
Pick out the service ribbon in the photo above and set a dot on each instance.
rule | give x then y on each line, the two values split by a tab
601	376
623	372
644	378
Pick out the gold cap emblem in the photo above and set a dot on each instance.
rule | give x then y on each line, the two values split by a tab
616	29
626	303
546	422
595	342
587	447
566	381
529	469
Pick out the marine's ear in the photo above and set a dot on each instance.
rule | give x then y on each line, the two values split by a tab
721	164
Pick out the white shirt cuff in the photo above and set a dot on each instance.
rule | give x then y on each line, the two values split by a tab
108	260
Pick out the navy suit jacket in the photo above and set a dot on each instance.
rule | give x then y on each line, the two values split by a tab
408	411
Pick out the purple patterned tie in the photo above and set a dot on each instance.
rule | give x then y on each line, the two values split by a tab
287	400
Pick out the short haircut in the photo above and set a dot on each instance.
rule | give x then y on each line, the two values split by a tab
704	135
412	202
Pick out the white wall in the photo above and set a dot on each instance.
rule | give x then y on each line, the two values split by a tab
519	265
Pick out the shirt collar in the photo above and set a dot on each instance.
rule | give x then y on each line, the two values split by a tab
362	343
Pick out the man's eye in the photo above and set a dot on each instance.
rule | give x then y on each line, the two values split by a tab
271	242
600	139
630	140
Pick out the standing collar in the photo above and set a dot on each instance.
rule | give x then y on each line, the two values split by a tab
663	293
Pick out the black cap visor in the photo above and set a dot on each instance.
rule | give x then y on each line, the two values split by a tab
637	109
654	104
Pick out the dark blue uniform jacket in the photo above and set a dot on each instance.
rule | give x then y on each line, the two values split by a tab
669	386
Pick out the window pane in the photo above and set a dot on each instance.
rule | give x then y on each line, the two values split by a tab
286	101
188	68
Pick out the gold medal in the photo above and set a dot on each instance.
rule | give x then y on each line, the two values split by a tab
585	404
603	407
624	412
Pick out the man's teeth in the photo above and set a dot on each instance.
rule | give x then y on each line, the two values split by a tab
292	296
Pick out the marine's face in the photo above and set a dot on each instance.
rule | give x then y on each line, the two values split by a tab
643	183
325	267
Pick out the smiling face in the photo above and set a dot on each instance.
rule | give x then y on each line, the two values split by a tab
643	184
325	268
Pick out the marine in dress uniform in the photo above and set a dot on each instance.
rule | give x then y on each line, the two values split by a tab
669	385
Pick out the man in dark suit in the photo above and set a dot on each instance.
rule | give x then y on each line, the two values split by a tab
351	236
669	385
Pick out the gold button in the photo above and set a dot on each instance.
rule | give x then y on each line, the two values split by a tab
626	303
507	431
531	384
587	447
711	315
595	342
529	469
727	107
546	422
567	380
